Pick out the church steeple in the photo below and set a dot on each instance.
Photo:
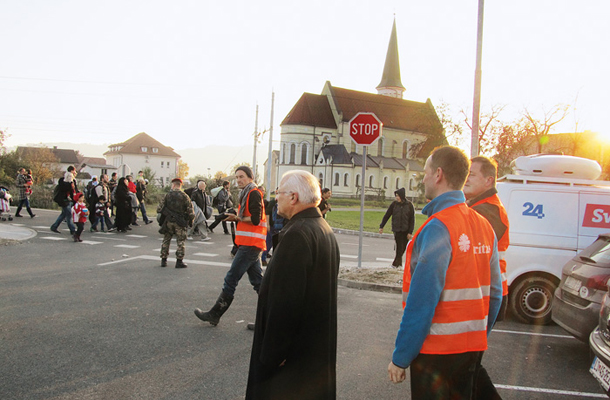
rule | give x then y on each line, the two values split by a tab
390	84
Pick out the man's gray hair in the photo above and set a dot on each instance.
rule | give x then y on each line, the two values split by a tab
303	183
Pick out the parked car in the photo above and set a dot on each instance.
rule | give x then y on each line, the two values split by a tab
582	288
599	341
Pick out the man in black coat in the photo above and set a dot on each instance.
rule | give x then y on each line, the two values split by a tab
295	339
403	221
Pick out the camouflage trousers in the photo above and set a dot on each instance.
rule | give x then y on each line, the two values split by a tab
180	232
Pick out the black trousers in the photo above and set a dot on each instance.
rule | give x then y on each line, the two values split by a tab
401	247
444	376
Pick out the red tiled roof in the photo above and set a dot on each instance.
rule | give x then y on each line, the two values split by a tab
311	110
134	146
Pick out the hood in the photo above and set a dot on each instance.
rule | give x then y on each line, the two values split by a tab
401	193
77	196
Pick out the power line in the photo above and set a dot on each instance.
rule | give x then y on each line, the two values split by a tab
99	82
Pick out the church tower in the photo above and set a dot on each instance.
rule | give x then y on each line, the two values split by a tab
390	84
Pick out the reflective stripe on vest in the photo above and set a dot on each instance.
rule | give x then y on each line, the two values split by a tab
459	323
504	241
248	234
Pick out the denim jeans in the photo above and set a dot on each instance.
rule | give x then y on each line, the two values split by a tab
247	259
66	213
143	209
25	202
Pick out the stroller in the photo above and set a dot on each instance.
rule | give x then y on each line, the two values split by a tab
5	205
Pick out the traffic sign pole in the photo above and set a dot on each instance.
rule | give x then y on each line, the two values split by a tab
364	155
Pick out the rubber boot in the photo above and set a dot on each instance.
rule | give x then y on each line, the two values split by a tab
164	262
181	264
213	316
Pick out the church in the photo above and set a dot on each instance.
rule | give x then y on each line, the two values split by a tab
315	137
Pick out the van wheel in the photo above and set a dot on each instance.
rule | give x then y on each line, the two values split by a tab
531	300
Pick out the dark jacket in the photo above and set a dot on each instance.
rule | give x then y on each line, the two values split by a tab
402	213
200	198
141	191
63	193
296	317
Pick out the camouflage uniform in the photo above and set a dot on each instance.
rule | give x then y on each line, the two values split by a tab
177	201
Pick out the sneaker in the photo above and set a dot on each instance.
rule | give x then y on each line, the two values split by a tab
18	216
55	230
112	229
33	215
189	238
148	222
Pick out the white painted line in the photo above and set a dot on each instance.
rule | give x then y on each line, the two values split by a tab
384	259
23	225
206	254
136	236
126	246
156	258
354	244
535	334
91	242
552	391
54	238
40	227
348	256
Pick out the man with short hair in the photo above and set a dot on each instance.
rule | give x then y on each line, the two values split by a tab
223	202
177	210
295	339
250	235
111	185
200	198
141	191
452	288
324	206
24	196
103	189
66	188
482	196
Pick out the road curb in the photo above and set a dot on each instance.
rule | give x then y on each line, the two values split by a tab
374	287
366	234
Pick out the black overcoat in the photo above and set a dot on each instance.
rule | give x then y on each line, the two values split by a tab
296	316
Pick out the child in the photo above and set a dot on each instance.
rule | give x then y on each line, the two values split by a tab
5	206
79	215
100	210
28	182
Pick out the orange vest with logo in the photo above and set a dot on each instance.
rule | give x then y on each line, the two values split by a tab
248	234
459	323
504	241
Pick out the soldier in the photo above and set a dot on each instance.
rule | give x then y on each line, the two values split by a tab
177	215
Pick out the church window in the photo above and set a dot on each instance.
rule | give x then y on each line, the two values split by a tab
380	147
358	180
371	181
293	150
345	178
321	179
385	182
336	179
304	153
405	149
411	184
397	183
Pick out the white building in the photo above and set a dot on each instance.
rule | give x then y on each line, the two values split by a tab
143	151
95	166
315	137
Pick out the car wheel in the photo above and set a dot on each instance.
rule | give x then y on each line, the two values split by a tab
532	298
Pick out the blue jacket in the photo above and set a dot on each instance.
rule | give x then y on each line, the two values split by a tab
430	260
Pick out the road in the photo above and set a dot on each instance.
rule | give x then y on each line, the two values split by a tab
101	320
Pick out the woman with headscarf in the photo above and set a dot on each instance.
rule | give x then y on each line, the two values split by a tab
123	206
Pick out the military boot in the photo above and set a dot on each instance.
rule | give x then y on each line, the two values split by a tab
181	264
164	262
213	316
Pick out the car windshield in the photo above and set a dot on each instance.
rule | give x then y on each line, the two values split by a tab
597	253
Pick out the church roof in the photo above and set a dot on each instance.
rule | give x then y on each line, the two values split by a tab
64	156
338	152
139	142
391	69
311	110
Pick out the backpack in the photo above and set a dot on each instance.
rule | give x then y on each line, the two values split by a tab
58	195
91	197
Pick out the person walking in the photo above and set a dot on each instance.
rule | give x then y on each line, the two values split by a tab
200	198
223	203
294	351
65	189
324	205
178	215
403	221
141	191
482	196
24	184
123	206
451	286
250	235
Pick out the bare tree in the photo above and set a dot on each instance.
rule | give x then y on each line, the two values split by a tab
540	128
490	128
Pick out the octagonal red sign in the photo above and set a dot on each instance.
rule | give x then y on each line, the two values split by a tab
365	128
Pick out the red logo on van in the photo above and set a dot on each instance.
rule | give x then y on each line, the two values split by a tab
597	216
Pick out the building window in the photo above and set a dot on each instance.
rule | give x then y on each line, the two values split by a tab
380	147
345	178
336	179
321	179
405	149
167	164
144	149
385	182
162	163
397	183
293	150
155	149
411	184
371	181
358	180
303	153
104	171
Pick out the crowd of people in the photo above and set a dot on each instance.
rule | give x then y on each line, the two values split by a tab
454	287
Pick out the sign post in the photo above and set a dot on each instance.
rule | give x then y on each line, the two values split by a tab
364	129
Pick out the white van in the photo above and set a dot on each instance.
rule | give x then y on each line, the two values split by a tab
553	214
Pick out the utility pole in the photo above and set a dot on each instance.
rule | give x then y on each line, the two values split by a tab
476	106
255	142
270	154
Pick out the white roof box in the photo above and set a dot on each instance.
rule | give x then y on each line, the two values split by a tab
556	166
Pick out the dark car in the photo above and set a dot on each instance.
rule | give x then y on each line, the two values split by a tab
583	285
599	341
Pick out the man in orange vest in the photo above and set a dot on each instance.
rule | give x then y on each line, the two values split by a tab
452	288
482	196
250	236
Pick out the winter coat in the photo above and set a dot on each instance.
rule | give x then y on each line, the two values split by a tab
296	317
402	213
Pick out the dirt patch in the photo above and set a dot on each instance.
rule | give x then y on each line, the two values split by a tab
382	276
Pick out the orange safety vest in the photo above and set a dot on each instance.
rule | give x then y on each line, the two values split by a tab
248	234
459	323
504	241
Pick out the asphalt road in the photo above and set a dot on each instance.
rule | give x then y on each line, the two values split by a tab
101	320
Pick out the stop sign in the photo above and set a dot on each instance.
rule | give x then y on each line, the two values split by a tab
365	128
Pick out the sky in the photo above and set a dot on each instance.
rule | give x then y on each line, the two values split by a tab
191	73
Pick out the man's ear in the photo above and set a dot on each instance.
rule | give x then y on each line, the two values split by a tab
295	198
439	175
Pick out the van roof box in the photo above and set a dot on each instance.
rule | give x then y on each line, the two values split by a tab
556	166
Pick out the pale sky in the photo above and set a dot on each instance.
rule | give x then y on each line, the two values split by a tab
190	73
